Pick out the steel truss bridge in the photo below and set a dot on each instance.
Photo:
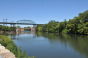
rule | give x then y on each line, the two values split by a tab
21	22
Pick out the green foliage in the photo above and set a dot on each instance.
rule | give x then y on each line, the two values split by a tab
65	31
7	28
39	28
72	28
61	26
77	25
5	40
8	43
52	26
83	28
84	16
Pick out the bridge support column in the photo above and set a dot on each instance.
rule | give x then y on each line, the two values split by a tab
13	27
33	29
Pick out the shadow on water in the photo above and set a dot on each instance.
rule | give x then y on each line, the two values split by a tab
77	42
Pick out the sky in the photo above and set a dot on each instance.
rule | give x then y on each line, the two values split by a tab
41	11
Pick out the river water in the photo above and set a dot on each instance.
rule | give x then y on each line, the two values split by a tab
50	45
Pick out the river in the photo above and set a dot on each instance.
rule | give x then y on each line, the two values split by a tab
50	45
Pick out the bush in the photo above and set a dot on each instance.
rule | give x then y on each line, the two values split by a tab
8	43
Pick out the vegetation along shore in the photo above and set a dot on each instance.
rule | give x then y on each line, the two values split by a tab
77	25
8	44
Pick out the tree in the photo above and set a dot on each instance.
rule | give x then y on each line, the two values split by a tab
77	25
52	26
83	28
39	28
84	16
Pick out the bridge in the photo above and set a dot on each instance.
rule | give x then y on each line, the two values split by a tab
21	22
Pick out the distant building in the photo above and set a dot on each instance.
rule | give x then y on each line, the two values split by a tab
19	29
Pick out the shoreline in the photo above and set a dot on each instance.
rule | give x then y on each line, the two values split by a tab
8	44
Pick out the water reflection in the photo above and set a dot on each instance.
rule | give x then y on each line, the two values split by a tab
50	44
77	42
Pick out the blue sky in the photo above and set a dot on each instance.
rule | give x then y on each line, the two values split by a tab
41	11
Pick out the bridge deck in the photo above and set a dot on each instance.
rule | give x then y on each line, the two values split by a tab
19	23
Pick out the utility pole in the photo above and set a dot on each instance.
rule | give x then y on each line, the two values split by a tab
5	20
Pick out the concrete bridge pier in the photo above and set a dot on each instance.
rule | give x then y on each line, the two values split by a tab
33	29
13	26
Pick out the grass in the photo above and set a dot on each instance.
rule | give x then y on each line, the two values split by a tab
8	43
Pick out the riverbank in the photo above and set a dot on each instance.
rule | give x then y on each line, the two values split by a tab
8	44
5	53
